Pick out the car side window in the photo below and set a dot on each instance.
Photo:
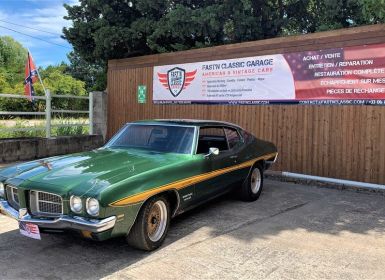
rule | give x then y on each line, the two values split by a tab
233	137
211	137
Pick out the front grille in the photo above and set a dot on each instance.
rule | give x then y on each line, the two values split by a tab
43	203
12	196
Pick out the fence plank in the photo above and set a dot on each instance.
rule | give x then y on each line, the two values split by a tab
48	112
70	111
6	95
69	96
5	113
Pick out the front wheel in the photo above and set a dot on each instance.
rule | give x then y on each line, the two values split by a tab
151	225
252	187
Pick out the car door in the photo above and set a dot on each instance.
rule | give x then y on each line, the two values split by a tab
216	177
237	155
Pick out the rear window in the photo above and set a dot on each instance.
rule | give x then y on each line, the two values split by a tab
233	137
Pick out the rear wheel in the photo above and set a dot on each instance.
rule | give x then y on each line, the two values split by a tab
151	225
252	187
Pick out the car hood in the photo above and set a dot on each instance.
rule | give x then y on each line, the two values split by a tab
84	171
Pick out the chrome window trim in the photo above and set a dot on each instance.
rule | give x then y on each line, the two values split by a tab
194	148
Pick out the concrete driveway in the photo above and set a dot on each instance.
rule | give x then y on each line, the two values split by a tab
291	232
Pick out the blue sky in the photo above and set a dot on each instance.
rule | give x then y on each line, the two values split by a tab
46	15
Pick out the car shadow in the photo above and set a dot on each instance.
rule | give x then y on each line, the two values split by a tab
282	207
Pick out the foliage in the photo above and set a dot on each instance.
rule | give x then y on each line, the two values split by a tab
12	63
308	16
55	79
21	124
69	129
92	74
12	59
373	11
80	128
59	83
114	29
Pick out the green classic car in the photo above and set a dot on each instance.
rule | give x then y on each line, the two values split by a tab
149	172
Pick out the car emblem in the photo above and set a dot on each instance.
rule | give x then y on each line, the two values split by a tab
46	164
176	80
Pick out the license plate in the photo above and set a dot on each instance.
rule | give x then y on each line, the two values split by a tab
29	230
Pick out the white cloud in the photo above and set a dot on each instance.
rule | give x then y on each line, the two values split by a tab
48	18
43	15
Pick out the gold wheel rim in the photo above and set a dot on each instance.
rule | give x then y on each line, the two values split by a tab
157	221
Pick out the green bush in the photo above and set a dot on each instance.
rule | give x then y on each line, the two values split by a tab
80	128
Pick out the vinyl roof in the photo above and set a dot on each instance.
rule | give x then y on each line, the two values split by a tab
192	122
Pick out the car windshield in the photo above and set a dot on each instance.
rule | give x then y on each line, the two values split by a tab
159	138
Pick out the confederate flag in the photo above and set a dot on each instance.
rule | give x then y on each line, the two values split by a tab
30	78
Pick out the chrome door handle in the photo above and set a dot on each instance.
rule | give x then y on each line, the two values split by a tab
233	157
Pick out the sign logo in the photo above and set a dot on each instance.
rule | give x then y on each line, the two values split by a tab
176	80
142	94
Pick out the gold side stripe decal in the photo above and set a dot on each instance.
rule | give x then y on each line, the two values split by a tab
186	182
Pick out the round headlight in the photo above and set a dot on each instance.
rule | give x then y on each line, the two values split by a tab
76	204
92	206
2	191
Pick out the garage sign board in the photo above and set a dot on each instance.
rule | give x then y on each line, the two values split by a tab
351	75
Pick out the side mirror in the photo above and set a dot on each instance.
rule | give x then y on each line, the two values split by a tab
213	151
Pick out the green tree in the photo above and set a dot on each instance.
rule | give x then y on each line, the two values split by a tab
59	83
373	11
109	29
12	59
105	29
92	74
55	78
308	16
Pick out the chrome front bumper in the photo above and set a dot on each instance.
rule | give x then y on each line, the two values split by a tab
62	222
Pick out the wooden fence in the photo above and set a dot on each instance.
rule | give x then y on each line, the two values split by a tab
346	142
